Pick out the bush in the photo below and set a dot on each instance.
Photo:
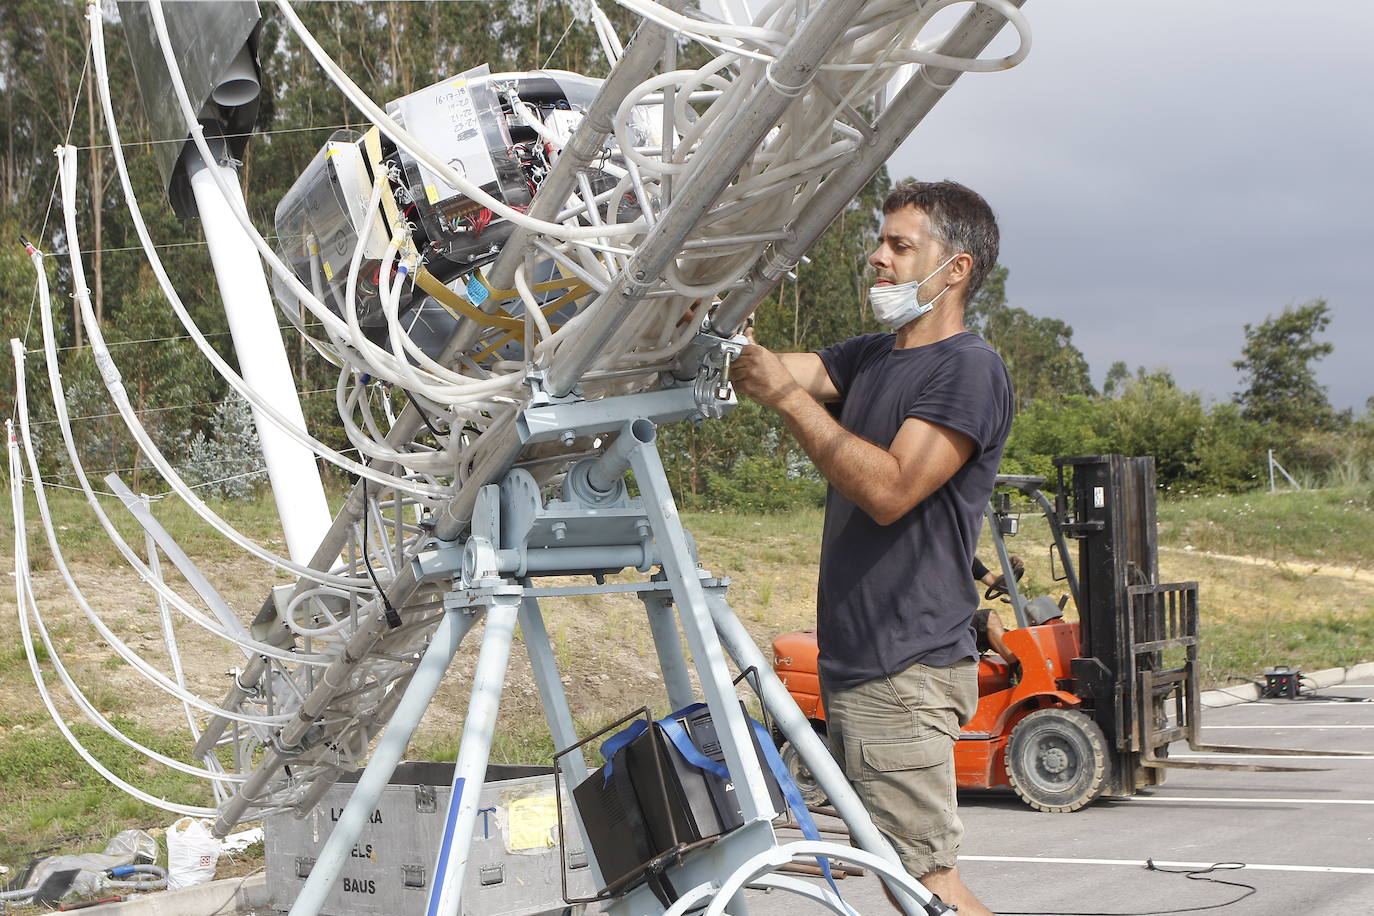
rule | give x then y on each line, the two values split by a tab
1153	417
1228	451
758	484
226	464
1049	429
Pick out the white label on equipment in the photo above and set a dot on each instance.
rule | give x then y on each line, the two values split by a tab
1099	497
445	119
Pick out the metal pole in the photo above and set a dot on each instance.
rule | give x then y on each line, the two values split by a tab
668	645
642	53
973	33
1018	604
262	360
1070	571
473	752
392	746
615	461
330	683
681	569
572	765
1271	470
713	167
158	536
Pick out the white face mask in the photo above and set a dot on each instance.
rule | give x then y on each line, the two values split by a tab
896	305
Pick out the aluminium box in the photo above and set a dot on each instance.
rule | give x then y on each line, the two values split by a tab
515	860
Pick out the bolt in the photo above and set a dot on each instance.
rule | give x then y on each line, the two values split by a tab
560	530
568	438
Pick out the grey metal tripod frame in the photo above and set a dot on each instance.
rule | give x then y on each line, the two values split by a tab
595	528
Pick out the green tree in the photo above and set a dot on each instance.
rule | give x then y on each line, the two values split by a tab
721	463
828	300
1154	417
1228	450
1039	352
1117	377
1047	429
1276	368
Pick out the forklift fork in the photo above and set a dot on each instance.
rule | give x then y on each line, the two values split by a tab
1162	623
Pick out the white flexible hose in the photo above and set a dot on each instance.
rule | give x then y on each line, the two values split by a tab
21	565
122	649
59	399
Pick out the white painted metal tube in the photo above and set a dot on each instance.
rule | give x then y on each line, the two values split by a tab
392	746
713	166
973	33
473	751
296	483
679	565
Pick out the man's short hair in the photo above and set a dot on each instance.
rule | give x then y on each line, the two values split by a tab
959	218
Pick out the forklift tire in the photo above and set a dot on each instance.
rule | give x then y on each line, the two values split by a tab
811	792
1057	760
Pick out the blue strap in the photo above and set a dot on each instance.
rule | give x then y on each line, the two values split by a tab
795	802
612	745
689	751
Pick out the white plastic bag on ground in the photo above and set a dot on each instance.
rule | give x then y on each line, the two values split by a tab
191	853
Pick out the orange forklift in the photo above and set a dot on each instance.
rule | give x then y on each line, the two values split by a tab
1100	699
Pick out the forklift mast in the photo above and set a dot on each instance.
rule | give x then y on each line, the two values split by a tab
1109	506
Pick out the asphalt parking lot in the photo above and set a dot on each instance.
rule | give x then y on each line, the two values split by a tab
1305	840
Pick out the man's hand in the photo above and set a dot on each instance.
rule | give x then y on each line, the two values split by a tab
759	374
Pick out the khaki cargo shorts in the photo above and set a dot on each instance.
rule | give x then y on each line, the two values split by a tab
894	738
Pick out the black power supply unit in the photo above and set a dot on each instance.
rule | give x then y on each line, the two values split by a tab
653	800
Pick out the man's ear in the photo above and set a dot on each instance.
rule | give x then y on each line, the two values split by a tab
960	269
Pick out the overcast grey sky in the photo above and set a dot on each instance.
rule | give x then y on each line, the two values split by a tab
1165	172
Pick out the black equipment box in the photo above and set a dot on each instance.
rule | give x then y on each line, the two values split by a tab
1281	683
655	800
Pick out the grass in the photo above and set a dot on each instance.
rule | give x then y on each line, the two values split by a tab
47	792
1332	526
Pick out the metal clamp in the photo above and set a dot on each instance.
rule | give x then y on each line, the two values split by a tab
715	396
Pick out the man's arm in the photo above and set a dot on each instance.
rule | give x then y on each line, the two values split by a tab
884	482
809	372
999	645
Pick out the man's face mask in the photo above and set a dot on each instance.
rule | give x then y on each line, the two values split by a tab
896	305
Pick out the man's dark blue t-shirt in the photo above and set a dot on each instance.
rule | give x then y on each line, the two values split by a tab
894	595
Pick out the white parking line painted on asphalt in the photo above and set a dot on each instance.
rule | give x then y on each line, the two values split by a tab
1290	704
1140	863
1246	801
1269	757
1205	725
1295	704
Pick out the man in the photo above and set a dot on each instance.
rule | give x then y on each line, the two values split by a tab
911	461
988	628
